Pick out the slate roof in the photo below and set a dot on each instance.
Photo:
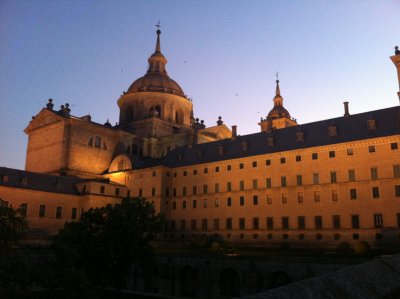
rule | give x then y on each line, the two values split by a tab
351	128
39	181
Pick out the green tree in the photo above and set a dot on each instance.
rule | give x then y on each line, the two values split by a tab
14	271
106	242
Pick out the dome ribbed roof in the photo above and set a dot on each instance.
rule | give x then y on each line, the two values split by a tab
156	78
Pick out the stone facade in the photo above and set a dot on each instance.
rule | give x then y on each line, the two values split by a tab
305	185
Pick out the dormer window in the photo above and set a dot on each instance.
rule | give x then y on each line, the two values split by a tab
270	140
180	157
220	150
371	123
299	136
24	181
199	154
244	146
332	131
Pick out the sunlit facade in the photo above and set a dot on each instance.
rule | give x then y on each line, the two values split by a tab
306	185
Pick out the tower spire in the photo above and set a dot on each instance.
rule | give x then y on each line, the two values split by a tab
158	46
278	91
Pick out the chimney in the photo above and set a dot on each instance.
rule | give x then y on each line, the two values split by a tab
346	109
234	132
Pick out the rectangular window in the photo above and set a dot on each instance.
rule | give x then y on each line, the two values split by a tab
216	224
241	166
332	154
352	175
268	183
228	167
394	146
216	187
269	199
58	212
378	220
270	223
205	203
183	224
397	190
333	177
228	223
301	222
241	185
374	173
375	192
166	191
298	158
299	179
300	197
242	200
255	200
255	184
268	162
229	201
283	181
217	202
195	172
205	189
283	160
284	198
349	152
23	209
314	156
116	191
315	178
42	211
255	223
193	224
141	192
174	205
206	170
355	221
184	204
184	191
371	149
185	173
336	221
229	186
318	222
285	222
254	164
353	193
334	194
153	191
73	213
194	204
204	224
173	192
102	189
396	171
242	223
317	196
194	191
217	169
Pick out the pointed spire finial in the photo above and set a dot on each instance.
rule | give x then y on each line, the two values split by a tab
278	91
158	47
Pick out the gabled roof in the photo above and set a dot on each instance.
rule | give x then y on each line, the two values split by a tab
350	128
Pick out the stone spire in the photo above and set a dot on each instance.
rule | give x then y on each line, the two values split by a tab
396	60
278	100
157	61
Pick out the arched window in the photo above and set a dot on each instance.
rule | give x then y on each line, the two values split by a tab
90	143
155	111
129	114
97	142
177	117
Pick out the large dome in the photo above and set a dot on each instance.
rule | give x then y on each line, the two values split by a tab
278	112
156	78
157	82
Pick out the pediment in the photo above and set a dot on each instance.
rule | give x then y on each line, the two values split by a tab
43	118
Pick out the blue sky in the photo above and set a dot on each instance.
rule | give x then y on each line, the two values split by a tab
224	54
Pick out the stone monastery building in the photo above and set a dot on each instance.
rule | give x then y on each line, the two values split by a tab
315	184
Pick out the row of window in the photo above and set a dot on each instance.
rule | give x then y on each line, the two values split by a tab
270	223
58	213
375	193
270	236
298	158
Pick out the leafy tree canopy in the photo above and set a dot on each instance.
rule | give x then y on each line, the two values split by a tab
107	241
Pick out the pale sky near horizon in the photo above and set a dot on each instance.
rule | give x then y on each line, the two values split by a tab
224	54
